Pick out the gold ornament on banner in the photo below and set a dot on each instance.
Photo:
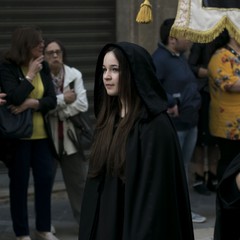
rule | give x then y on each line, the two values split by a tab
145	13
206	20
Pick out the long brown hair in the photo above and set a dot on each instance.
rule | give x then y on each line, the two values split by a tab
109	147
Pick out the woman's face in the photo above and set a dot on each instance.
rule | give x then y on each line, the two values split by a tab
53	55
111	74
37	51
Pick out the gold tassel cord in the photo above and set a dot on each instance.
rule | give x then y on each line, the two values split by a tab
145	13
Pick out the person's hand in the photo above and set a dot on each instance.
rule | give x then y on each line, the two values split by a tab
69	96
2	100
238	181
28	103
16	109
34	66
173	111
233	87
228	86
202	72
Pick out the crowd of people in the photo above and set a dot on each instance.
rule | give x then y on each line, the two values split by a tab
34	75
214	145
154	115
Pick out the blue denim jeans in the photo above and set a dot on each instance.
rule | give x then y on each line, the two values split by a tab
187	139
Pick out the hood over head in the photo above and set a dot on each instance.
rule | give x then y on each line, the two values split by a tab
143	74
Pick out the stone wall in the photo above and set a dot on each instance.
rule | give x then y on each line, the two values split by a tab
146	35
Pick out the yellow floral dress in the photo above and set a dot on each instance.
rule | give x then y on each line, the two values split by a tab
224	69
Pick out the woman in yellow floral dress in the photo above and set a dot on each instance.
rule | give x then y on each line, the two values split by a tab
224	85
224	73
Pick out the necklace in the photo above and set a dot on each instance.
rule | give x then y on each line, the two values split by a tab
232	51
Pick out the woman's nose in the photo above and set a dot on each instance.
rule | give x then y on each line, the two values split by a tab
107	74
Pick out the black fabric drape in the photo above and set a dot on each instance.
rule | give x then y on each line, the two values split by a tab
221	3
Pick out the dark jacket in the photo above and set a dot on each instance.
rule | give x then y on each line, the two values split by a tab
17	88
199	56
228	204
153	203
178	80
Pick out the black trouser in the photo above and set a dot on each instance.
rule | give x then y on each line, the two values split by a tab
33	154
229	149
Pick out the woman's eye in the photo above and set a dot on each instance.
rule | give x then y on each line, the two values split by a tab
115	69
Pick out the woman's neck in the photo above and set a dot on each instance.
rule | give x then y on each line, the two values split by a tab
56	71
234	45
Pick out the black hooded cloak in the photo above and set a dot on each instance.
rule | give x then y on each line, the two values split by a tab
153	203
228	204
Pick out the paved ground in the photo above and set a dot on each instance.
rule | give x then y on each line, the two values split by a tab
67	228
204	205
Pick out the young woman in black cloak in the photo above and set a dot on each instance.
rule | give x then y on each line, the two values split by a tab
136	188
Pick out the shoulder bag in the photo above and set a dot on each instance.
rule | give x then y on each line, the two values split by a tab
12	128
83	129
15	126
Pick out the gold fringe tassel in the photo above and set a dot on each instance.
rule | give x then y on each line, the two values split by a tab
207	36
145	13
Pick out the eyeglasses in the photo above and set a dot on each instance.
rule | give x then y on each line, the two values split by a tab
51	53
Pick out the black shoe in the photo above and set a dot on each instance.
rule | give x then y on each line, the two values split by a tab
211	181
199	185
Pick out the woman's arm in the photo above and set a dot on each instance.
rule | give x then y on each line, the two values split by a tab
81	102
225	71
14	84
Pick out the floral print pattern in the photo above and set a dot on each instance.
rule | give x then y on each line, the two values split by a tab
224	71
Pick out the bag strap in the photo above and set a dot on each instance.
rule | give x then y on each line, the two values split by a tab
71	85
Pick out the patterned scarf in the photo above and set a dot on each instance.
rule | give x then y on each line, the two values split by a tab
58	81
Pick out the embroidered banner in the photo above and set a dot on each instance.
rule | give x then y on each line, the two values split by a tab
221	3
203	20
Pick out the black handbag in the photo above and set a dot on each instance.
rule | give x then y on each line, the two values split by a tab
15	126
83	128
